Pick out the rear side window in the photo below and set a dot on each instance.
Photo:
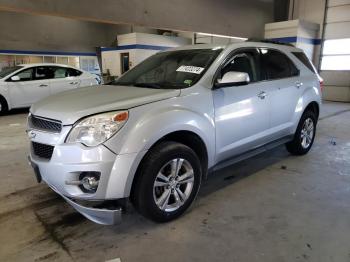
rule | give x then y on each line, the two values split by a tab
277	65
63	72
73	72
303	58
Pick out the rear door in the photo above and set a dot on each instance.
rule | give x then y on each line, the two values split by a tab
284	88
64	78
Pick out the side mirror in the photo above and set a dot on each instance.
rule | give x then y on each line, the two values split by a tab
15	78
233	78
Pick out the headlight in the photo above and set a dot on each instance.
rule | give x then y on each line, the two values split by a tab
96	129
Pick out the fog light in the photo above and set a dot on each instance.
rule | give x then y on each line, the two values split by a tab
89	181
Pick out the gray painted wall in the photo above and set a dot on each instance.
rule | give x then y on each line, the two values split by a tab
244	18
31	32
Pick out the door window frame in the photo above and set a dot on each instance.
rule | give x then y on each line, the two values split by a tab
22	70
231	55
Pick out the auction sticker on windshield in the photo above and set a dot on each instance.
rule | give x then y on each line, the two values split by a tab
190	69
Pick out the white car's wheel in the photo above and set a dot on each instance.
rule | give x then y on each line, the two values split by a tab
3	106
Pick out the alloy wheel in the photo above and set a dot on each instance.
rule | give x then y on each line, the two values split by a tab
173	184
307	133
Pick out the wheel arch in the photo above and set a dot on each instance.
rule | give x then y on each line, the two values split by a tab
188	138
314	107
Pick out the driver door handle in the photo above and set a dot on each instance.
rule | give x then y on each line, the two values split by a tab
73	83
43	85
262	95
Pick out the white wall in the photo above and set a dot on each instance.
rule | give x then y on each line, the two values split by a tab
111	58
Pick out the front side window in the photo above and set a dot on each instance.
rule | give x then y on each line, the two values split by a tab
169	70
246	62
26	75
277	65
9	70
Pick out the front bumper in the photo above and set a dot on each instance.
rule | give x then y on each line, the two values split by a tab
98	215
67	163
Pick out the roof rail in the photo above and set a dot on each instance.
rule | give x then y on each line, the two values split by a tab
269	41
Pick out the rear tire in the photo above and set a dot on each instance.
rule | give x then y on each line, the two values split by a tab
304	136
3	106
167	182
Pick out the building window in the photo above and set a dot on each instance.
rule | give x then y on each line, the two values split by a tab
62	60
49	59
336	54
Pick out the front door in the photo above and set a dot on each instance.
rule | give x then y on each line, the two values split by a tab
241	112
32	86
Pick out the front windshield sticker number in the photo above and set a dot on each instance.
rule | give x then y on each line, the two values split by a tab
190	69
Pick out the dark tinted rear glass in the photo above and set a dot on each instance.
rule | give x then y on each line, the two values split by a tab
277	65
303	58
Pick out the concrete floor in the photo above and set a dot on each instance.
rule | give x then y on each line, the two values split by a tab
274	207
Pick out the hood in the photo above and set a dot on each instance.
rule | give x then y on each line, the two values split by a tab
72	105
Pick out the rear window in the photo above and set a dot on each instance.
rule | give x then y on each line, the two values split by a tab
303	58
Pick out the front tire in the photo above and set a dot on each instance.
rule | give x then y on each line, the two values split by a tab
3	106
304	136
168	181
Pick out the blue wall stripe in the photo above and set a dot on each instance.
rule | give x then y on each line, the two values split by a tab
135	46
294	39
25	52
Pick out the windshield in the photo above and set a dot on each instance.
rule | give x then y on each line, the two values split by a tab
8	70
170	70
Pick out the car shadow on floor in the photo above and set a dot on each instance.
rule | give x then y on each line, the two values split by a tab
233	173
17	111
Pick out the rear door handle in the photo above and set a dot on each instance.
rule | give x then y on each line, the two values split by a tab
262	95
43	85
73	83
298	84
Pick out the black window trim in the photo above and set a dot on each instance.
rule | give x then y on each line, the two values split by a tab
311	68
263	72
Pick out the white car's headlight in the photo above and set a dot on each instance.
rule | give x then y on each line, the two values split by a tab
96	129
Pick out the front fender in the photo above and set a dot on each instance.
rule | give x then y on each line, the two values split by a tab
146	126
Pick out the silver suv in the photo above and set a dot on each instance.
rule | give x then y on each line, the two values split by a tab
153	135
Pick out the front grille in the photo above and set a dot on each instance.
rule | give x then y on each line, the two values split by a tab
45	124
42	150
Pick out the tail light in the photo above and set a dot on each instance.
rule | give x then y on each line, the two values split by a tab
321	84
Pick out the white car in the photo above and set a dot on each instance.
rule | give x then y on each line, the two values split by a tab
23	85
